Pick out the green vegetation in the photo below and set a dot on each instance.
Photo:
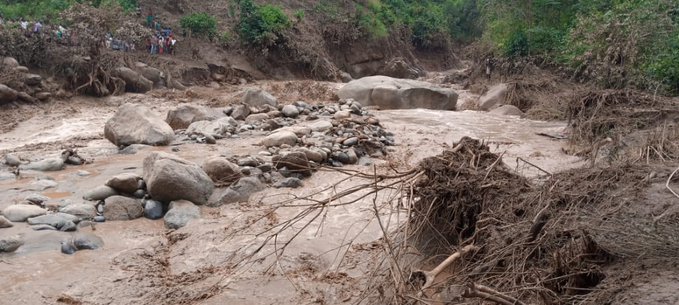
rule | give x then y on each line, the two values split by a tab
200	24
49	9
262	25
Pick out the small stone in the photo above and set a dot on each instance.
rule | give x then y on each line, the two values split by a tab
5	223
153	209
293	161
280	138
10	243
83	173
99	218
42	184
248	161
100	193
350	141
290	182
321	126
222	170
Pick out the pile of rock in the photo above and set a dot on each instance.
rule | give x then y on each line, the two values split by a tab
20	84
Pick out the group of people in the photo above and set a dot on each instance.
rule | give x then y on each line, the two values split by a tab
39	29
163	40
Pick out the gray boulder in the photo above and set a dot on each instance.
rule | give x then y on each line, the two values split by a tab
507	110
137	124
180	213
5	223
169	178
122	208
100	193
46	165
80	209
61	221
126	183
21	212
279	138
182	116
10	243
222	170
238	192
256	97
7	94
217	128
134	81
495	96
290	111
12	160
153	209
393	93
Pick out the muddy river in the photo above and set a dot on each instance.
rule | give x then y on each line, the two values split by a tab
213	260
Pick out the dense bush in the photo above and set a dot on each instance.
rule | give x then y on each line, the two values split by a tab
200	24
261	25
49	9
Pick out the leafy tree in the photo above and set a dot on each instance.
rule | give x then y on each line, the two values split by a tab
262	25
200	24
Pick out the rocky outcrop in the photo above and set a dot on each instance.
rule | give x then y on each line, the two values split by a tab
494	97
393	93
169	178
136	124
182	116
134	81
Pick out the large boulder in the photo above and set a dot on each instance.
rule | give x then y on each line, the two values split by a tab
182	116
256	97
45	165
217	128
7	94
180	213
137	124
150	73
495	96
279	138
393	93
22	212
122	208
134	81
169	178
222	170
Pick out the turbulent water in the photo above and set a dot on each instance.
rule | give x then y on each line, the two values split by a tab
139	266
